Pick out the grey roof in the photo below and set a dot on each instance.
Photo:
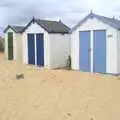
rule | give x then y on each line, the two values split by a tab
17	29
110	21
51	26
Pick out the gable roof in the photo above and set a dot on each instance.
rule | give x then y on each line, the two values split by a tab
110	21
50	26
17	29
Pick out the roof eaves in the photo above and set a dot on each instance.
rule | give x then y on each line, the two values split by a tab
97	17
82	21
32	21
6	29
43	26
111	24
9	27
58	32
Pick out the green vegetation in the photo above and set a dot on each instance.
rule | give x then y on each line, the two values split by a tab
68	65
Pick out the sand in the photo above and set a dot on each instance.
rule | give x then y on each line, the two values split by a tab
56	94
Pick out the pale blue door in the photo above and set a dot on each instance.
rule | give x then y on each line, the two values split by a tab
85	51
99	54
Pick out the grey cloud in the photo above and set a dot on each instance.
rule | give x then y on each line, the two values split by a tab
18	11
8	3
70	11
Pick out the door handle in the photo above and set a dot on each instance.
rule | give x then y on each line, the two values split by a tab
89	49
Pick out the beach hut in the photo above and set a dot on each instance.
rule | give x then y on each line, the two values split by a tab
95	45
13	43
46	43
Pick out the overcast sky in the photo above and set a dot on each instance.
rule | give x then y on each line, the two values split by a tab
69	11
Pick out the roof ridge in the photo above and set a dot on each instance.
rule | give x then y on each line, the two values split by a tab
16	28
110	21
50	26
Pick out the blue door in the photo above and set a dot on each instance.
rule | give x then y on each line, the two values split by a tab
85	51
40	49
99	54
31	49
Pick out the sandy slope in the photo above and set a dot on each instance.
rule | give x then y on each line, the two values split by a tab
56	95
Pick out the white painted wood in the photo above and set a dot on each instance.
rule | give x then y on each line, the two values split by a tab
25	49
35	28
75	50
92	49
19	48
14	44
35	49
59	50
111	48
118	51
17	45
56	47
6	47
